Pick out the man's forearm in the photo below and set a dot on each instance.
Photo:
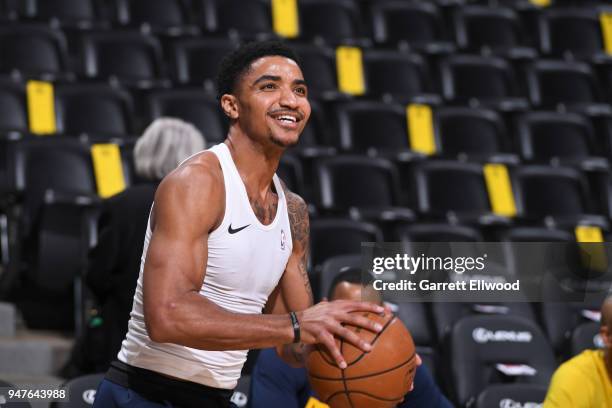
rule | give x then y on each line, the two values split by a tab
196	322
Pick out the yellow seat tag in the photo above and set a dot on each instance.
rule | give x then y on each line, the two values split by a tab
605	20
41	107
592	255
540	3
349	66
420	128
315	403
500	189
108	169
285	18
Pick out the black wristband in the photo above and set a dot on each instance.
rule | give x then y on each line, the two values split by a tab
296	327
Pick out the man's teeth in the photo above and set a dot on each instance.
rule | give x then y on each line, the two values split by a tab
287	119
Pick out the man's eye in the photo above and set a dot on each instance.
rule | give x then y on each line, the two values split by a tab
268	86
301	91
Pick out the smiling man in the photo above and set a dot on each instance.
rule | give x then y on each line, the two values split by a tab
225	240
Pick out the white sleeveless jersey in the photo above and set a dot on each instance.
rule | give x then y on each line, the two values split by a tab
246	260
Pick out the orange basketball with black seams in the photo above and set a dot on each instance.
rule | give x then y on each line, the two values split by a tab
376	379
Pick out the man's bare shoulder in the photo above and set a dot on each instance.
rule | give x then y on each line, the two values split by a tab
195	189
298	215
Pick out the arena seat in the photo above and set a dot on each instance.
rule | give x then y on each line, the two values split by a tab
512	395
67	12
291	173
438	232
82	391
446	314
414	315
129	56
571	83
419	25
487	350
33	50
438	183
93	109
162	15
572	30
366	184
397	74
544	136
195	60
191	105
247	19
474	132
13	110
330	21
370	125
495	28
558	192
333	266
338	236
585	336
489	80
319	68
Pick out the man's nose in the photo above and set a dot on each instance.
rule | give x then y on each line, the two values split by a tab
288	99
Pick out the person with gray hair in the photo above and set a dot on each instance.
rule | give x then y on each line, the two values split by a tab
164	145
114	262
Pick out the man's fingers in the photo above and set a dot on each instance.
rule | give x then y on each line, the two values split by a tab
353	306
351	337
329	342
362	321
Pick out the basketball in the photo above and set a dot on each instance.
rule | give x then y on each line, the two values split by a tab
376	379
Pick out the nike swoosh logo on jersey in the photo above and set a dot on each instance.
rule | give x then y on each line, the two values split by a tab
233	231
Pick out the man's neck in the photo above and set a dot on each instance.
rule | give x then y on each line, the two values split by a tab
256	164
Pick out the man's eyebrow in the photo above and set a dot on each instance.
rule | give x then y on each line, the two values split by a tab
267	78
299	82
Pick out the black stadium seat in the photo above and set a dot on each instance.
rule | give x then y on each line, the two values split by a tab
512	395
248	19
86	12
414	315
196	60
356	181
193	106
554	82
547	135
158	14
444	187
438	232
332	267
33	50
128	56
480	344
319	68
496	28
574	30
82	391
486	79
333	237
13	110
543	191
290	171
369	125
93	109
417	24
332	21
474	132
398	74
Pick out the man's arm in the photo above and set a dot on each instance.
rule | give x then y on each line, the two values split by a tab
188	205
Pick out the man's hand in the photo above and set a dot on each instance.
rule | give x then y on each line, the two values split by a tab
321	322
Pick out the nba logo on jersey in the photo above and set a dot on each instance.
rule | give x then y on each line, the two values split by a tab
283	239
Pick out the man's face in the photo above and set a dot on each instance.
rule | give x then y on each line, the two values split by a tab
271	104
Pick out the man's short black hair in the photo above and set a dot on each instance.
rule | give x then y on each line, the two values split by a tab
235	64
350	275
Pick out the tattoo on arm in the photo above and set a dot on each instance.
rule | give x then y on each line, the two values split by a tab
300	225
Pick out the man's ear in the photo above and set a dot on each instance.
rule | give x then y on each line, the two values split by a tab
229	104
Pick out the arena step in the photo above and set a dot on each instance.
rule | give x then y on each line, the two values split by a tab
33	352
8	319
